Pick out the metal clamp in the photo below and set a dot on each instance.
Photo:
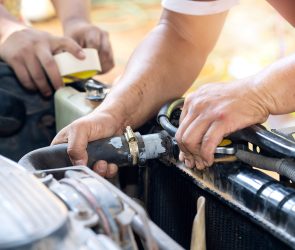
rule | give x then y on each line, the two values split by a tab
133	144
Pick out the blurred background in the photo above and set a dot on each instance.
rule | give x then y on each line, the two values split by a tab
253	37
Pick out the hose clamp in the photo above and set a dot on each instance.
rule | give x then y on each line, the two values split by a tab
133	144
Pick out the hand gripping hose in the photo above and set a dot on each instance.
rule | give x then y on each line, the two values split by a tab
125	150
276	145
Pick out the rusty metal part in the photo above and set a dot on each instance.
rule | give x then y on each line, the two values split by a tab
133	144
226	158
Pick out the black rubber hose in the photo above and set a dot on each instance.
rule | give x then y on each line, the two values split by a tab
165	114
167	126
256	134
113	150
273	143
285	166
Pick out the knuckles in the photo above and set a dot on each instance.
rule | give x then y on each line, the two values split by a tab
188	143
49	62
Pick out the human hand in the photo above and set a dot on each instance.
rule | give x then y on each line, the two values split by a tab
30	53
213	112
89	128
90	36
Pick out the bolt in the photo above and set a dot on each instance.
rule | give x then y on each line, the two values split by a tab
82	213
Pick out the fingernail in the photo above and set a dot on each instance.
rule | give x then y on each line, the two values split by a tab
81	54
181	158
188	163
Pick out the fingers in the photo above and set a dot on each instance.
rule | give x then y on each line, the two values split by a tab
104	169
99	40
61	137
187	120
37	75
183	111
112	170
47	61
93	38
106	53
194	135
200	152
76	135
77	145
101	168
211	140
59	44
23	75
86	129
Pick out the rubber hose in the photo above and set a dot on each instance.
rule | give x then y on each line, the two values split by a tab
165	114
167	126
113	150
285	167
259	136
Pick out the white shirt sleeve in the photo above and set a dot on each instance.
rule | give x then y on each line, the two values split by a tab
198	8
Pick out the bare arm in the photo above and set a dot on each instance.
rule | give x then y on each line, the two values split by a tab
217	110
8	24
72	10
74	16
163	66
30	53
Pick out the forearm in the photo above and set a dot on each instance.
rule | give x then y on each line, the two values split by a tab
163	66
156	73
277	86
70	11
8	24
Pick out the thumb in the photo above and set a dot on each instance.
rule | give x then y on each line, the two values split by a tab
77	145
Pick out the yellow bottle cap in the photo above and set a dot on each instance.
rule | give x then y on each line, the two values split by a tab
225	142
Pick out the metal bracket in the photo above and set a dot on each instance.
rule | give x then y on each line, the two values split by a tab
133	144
225	150
95	90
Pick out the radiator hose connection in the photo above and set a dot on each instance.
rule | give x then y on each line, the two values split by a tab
283	149
127	150
135	149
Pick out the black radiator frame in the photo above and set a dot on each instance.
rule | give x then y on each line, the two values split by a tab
171	197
